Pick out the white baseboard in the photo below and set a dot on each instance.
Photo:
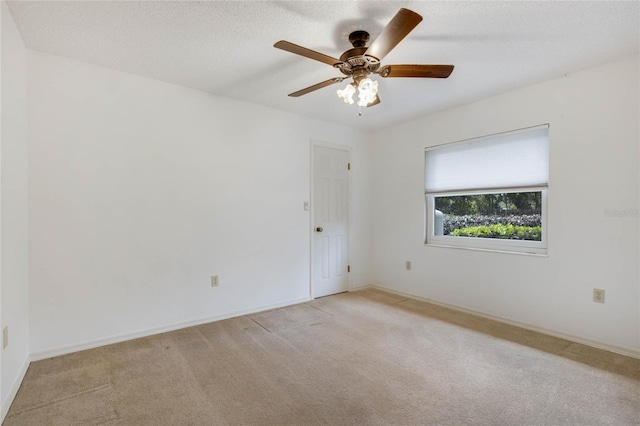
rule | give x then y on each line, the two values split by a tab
49	353
14	389
630	352
362	287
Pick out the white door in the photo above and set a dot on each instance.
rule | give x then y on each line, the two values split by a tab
330	221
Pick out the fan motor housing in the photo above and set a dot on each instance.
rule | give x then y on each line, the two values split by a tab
355	58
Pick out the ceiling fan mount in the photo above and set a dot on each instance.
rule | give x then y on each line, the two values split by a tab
360	61
358	38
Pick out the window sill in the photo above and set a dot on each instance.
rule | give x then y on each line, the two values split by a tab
491	250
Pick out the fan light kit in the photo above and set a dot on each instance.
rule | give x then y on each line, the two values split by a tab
360	62
367	92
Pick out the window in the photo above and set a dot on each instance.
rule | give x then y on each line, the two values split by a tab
489	193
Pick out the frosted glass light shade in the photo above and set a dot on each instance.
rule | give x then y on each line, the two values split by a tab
347	93
367	91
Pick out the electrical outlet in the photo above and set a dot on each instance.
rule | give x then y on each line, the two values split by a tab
214	281
598	295
407	265
5	337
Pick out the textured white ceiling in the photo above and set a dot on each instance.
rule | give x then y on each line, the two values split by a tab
226	47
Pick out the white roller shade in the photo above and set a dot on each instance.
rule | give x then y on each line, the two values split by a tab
518	159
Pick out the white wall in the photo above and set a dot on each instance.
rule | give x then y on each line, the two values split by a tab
14	291
141	190
594	165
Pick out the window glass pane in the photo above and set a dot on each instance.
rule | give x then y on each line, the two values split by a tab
507	216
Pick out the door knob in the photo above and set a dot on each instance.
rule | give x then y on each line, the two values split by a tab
319	229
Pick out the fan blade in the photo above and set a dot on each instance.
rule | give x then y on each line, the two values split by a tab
401	25
375	102
421	71
317	86
307	53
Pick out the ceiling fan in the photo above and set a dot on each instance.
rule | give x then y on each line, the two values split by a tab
360	61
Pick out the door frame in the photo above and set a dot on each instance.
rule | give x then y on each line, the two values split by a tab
312	209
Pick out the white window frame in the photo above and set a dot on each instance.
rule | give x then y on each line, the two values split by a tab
486	244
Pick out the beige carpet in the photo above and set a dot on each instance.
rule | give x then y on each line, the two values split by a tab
365	358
